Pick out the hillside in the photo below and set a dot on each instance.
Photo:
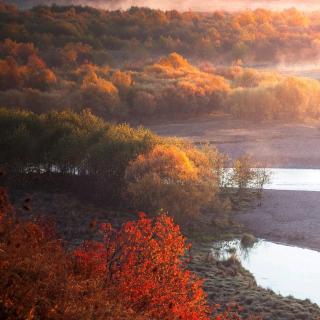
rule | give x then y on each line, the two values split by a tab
182	5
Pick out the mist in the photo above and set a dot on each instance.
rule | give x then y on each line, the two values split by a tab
181	5
210	5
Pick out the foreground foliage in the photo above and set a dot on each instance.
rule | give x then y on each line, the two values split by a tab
136	272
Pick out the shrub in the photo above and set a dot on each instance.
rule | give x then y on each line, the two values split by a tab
170	178
248	240
137	272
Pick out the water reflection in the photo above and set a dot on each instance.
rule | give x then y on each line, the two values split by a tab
284	269
294	179
286	179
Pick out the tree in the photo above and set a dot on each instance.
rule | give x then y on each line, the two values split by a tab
122	80
10	75
100	95
143	104
41	79
137	273
169	178
141	265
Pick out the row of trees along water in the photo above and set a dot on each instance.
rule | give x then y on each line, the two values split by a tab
113	162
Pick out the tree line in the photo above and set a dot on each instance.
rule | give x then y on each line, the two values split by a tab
118	164
169	87
254	36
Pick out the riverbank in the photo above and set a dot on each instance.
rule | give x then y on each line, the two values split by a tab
289	217
225	283
229	284
271	143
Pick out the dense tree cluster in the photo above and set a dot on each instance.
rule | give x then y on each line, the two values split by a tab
59	58
113	163
181	181
69	145
171	87
21	67
278	98
259	35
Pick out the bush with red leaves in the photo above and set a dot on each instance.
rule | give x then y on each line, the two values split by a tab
137	272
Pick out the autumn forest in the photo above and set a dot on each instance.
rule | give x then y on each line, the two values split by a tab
109	202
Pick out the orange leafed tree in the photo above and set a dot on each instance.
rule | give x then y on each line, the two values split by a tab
137	273
142	266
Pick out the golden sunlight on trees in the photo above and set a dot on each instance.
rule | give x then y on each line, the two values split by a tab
77	34
286	99
23	68
181	88
245	176
168	88
100	94
175	180
75	53
83	153
122	80
172	66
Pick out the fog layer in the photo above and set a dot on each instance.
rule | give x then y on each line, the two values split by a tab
181	5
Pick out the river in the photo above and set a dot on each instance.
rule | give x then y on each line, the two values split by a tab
287	270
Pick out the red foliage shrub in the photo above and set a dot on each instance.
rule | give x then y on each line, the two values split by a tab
142	267
32	267
137	272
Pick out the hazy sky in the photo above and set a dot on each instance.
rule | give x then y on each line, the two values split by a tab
206	5
227	4
185	5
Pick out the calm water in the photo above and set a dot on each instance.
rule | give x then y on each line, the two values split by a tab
284	269
294	179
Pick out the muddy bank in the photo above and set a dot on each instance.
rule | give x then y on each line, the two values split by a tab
291	217
273	144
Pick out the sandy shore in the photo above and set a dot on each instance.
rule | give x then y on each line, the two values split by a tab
291	217
273	144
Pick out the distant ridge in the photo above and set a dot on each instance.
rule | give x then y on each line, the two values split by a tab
27	4
182	5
